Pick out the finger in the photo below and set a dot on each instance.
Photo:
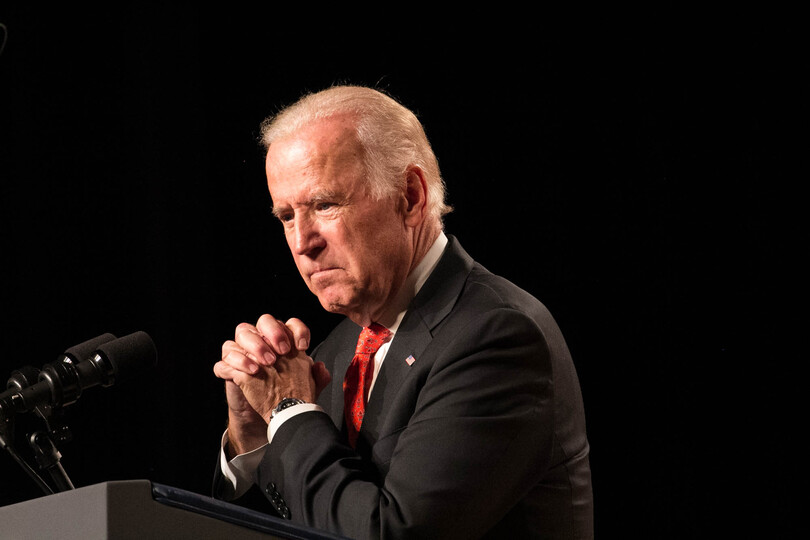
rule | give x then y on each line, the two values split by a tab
229	370
300	332
232	346
254	345
275	333
224	371
241	362
239	358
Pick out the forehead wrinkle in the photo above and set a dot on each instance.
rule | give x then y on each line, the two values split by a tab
316	156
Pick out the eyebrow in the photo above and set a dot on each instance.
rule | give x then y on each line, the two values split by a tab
319	197
277	211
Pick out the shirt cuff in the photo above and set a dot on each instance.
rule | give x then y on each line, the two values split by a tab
241	470
288	413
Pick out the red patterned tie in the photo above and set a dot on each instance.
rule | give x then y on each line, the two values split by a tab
359	375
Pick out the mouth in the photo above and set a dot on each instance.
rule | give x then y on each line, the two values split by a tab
322	272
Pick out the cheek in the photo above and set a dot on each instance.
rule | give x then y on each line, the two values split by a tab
366	249
384	258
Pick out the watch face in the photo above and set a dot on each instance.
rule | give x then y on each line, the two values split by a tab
284	403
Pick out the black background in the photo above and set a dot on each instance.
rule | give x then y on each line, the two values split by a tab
634	177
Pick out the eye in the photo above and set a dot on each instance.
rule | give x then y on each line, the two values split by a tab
284	216
324	206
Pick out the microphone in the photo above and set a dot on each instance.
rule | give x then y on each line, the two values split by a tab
20	378
82	351
64	376
28	375
61	383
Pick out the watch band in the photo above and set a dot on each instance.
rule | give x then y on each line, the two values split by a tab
285	403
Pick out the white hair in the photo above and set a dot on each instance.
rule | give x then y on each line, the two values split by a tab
391	135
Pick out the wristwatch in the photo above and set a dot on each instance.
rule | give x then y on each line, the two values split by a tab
284	403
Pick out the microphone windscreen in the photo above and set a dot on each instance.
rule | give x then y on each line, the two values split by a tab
84	351
130	354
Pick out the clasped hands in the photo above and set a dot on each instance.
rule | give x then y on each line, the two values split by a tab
262	365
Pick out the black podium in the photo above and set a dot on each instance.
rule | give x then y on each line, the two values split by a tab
140	509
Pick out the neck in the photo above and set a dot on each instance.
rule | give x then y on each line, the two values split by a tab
391	312
424	239
401	292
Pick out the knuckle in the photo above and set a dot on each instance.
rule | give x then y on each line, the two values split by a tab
243	327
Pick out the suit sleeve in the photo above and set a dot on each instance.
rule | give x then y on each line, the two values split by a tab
479	435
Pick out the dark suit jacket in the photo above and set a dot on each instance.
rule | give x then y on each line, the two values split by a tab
482	435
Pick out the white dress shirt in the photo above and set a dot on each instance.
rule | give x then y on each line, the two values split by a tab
240	470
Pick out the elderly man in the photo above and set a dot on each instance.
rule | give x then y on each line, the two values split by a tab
455	409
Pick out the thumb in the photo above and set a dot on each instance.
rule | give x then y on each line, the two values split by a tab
321	376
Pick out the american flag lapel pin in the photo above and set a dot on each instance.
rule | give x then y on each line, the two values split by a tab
410	360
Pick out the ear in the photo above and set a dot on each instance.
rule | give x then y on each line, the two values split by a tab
415	195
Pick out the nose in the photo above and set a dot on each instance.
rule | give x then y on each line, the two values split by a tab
306	238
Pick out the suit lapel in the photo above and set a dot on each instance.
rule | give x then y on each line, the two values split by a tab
433	303
411	339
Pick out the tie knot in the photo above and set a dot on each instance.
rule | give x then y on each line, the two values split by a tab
371	339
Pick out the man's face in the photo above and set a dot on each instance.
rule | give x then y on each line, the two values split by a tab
352	251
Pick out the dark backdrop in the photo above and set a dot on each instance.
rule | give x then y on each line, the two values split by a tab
633	177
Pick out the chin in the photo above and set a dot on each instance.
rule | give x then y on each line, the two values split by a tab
334	308
332	305
346	309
